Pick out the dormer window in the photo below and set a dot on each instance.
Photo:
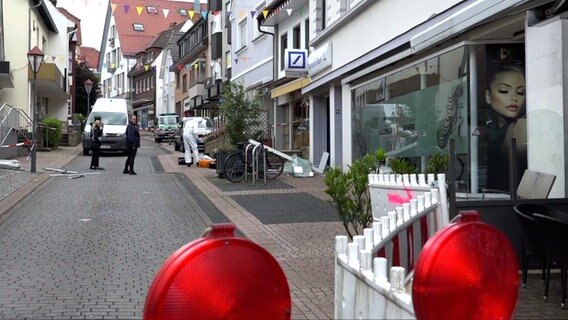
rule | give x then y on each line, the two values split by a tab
183	12
138	27
151	10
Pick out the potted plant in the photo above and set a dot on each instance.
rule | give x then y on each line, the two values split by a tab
240	112
402	166
349	192
438	163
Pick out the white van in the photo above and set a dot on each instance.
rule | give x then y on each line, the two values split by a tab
114	115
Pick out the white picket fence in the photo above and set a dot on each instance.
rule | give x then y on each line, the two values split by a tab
407	210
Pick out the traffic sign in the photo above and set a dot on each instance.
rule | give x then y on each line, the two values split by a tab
467	270
219	276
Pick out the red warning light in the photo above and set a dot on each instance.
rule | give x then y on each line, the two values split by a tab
467	270
219	276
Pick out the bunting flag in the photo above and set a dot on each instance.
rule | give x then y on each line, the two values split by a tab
53	58
187	66
146	67
241	13
196	5
237	61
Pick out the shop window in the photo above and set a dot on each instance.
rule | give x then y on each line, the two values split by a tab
301	126
397	112
414	112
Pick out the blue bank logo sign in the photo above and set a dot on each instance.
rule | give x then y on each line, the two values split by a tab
296	62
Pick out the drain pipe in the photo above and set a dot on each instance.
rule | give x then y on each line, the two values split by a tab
30	22
274	70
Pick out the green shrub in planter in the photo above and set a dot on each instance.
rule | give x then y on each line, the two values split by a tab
81	118
53	136
349	192
438	163
402	166
241	113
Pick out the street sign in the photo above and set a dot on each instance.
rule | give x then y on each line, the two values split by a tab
467	270
219	276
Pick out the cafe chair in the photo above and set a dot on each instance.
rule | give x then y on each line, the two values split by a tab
533	185
531	243
554	233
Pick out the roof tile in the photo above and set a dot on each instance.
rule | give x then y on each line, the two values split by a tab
126	14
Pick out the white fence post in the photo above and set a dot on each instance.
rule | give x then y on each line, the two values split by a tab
399	203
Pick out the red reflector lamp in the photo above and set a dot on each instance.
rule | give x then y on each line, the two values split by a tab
467	270
219	276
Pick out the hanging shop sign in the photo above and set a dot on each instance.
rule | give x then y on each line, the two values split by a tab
296	62
319	59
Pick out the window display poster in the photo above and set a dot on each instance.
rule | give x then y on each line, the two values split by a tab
502	113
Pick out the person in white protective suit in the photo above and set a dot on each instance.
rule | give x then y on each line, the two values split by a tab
190	129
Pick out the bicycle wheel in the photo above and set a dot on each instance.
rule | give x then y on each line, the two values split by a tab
274	166
235	167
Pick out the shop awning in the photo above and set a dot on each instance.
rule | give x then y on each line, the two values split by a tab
458	19
465	18
289	87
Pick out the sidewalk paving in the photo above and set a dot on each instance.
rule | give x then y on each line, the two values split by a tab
305	249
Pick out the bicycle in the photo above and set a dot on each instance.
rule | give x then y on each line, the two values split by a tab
235	164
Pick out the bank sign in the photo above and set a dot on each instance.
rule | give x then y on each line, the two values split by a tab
319	59
296	62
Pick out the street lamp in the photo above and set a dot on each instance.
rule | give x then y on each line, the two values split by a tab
88	86
35	58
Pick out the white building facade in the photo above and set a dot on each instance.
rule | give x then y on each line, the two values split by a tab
49	30
250	57
290	24
421	81
113	66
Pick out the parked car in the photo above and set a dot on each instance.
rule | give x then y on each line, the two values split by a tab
166	124
205	127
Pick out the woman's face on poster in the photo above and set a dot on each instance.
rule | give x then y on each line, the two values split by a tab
506	93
